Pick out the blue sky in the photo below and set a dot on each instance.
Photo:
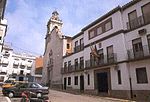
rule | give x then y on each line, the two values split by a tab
27	19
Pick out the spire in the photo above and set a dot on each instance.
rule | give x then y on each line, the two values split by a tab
55	16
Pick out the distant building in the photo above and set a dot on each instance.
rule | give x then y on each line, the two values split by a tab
15	65
3	23
54	51
38	69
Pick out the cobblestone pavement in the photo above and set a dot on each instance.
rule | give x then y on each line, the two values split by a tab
57	96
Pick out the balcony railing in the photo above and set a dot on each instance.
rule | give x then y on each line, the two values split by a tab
72	68
140	54
79	48
106	60
139	21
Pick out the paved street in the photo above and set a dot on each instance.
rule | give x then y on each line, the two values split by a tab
56	96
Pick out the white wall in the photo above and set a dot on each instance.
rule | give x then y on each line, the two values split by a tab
139	64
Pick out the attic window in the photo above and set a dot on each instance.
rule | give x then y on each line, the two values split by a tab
68	46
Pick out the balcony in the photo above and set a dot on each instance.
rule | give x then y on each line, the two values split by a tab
29	64
138	22
72	68
106	60
78	48
5	61
140	54
16	63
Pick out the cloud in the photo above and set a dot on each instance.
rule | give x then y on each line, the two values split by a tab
27	19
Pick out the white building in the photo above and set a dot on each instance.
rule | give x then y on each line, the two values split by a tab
121	68
15	65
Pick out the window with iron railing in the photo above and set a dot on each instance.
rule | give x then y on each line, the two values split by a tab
76	63
137	48
81	62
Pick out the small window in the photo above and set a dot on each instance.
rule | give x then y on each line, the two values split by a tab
119	76
88	79
69	80
68	46
108	26
76	80
141	75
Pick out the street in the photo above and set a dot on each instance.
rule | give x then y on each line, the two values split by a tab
57	96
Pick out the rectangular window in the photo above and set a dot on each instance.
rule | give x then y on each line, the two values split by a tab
88	79
69	65
119	76
99	30
101	56
141	75
81	62
108	26
137	48
146	12
81	44
65	65
91	34
76	43
69	80
76	80
76	48
133	21
148	40
68	46
110	54
76	63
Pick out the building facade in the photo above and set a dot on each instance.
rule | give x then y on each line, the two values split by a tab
15	65
111	55
3	23
54	51
38	69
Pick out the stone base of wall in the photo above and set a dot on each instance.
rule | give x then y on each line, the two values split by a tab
91	92
138	95
124	94
56	86
141	95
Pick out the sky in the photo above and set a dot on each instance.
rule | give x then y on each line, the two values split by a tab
27	19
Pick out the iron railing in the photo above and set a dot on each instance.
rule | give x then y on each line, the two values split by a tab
79	48
140	53
72	68
139	21
106	60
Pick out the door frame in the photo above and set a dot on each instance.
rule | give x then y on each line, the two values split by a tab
108	76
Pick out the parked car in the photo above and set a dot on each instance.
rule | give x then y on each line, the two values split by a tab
11	83
8	83
21	87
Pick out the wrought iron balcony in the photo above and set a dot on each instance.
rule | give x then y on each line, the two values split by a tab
139	21
106	60
72	68
79	48
139	54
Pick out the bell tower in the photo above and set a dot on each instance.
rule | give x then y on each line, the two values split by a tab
54	21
